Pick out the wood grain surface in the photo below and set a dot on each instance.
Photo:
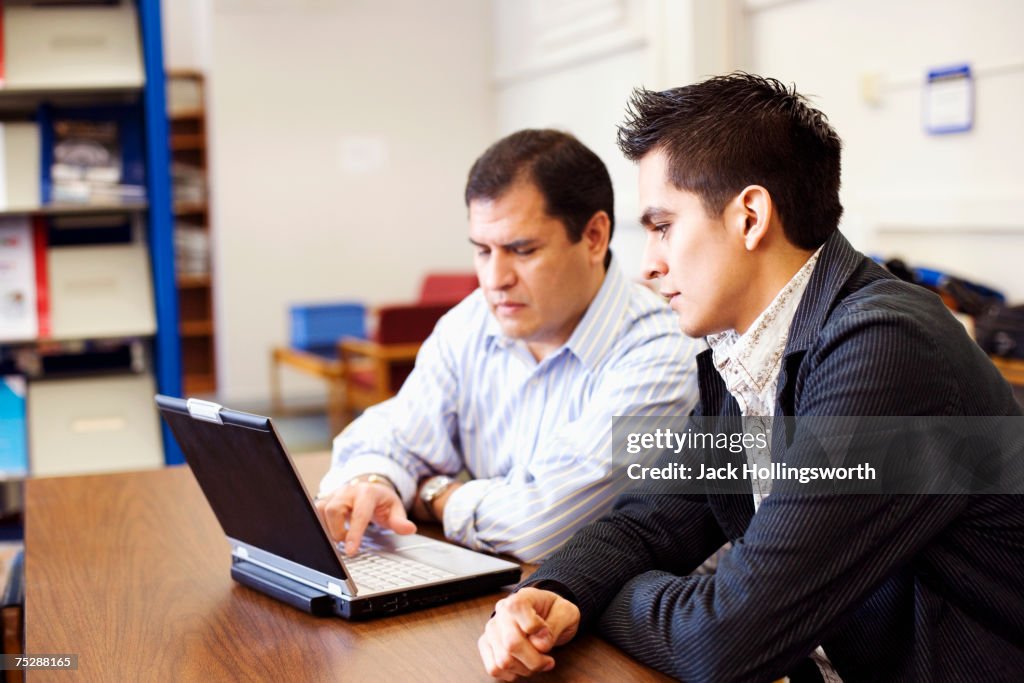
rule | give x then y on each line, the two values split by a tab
131	572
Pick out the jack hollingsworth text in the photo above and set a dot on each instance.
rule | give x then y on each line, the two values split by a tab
775	471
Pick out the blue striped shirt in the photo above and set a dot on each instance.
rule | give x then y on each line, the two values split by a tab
535	437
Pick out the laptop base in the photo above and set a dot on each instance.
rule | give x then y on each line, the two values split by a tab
298	595
318	603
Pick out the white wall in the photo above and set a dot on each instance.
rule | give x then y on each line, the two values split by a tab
572	64
341	134
586	100
186	33
305	93
956	201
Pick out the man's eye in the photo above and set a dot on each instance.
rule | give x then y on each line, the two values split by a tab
525	251
483	252
662	229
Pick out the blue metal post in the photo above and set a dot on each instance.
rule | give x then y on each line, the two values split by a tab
167	354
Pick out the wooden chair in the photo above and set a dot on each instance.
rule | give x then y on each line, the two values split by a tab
375	369
362	371
315	330
446	288
1011	369
331	370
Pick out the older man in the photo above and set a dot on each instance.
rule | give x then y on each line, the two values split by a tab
518	384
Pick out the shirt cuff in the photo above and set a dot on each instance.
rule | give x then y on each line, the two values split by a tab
460	513
338	476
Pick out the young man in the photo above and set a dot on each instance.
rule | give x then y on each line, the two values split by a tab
739	181
518	384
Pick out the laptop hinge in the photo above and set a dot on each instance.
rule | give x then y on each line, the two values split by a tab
331	587
204	410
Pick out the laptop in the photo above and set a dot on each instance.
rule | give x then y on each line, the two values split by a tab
279	544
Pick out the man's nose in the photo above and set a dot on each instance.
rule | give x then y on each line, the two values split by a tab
654	263
498	272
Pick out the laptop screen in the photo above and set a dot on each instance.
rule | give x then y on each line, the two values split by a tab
248	479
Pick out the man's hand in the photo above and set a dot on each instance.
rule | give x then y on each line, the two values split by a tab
359	503
525	627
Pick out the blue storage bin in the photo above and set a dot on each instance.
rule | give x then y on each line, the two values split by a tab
938	278
318	327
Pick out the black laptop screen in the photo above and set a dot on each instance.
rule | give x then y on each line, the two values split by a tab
249	481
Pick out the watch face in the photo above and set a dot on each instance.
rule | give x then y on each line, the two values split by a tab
434	486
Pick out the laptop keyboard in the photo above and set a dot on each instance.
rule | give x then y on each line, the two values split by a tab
374	572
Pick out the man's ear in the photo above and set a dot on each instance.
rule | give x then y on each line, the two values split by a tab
595	235
752	211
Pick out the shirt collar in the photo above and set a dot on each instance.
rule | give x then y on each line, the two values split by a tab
590	340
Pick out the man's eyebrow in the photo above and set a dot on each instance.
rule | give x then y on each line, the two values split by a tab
651	215
515	244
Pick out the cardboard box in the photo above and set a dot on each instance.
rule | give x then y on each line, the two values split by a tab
93	424
100	291
71	47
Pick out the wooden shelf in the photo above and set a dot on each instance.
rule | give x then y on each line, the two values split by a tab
185	73
186	115
198	384
188	142
196	328
194	281
189	208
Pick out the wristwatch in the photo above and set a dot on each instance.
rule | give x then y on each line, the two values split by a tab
432	488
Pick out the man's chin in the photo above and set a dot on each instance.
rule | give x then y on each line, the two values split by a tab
513	330
695	328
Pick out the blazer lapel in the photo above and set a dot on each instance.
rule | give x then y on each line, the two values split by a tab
721	414
836	264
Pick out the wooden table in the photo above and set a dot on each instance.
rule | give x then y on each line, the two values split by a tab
1011	368
131	572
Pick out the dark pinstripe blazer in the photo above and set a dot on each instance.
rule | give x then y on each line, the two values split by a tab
895	587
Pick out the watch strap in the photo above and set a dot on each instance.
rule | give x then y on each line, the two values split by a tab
431	489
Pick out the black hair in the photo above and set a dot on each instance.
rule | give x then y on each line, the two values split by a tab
572	179
728	132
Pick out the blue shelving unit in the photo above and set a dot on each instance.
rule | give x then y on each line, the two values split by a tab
167	352
144	115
